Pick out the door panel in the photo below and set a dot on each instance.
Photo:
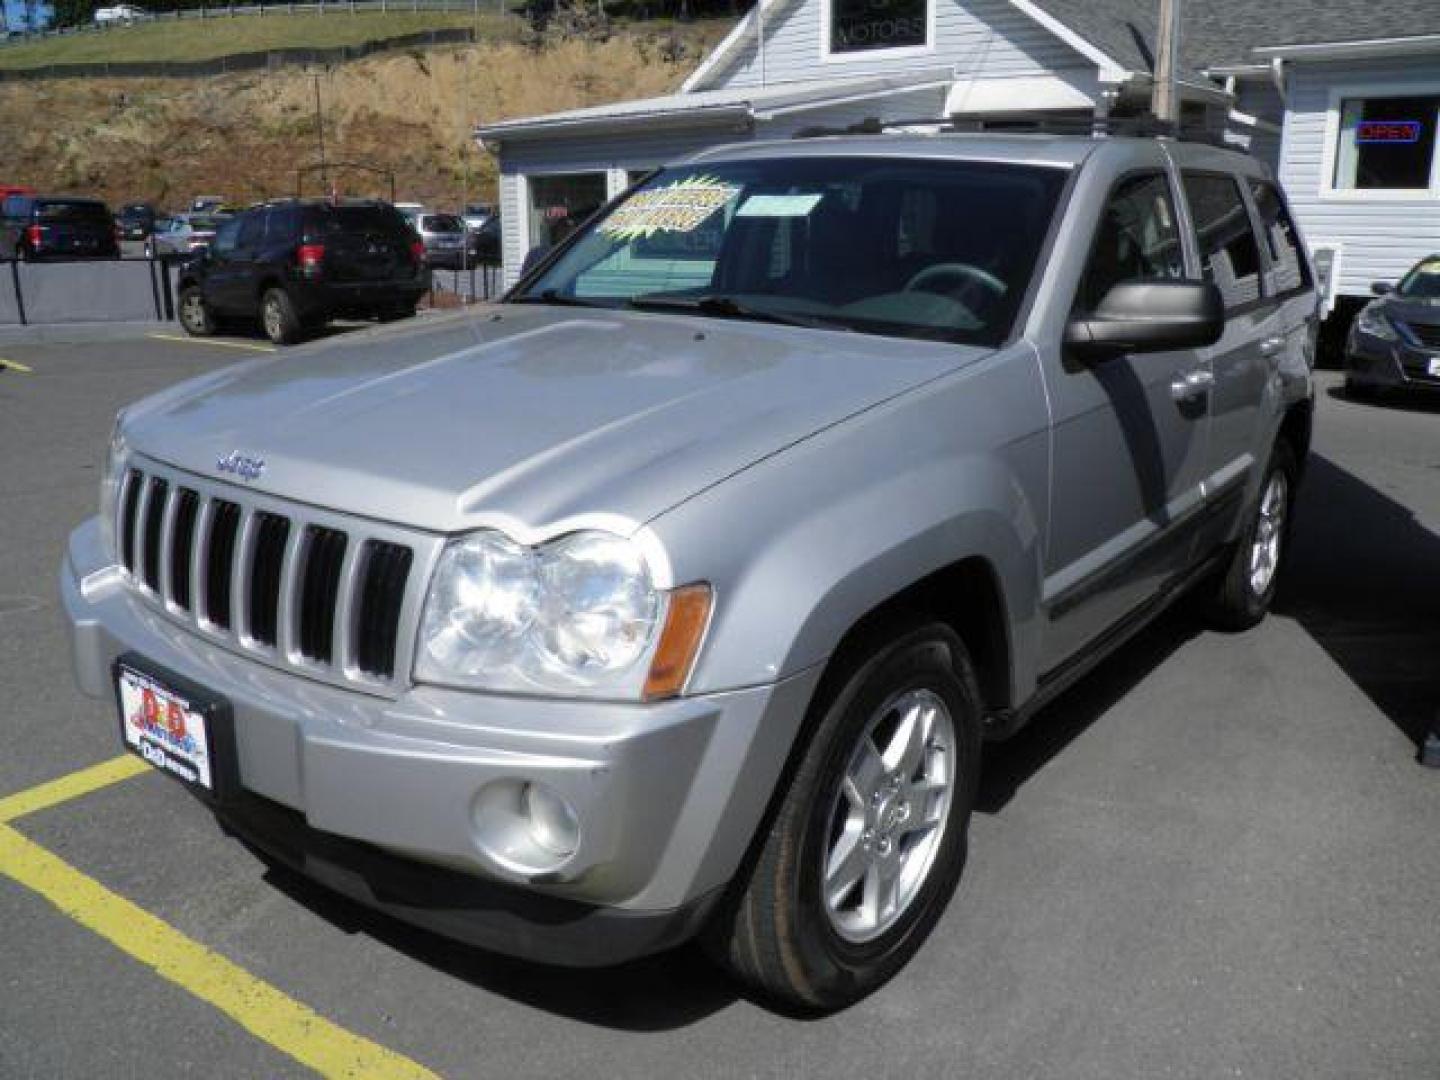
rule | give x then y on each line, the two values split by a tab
1129	440
1245	357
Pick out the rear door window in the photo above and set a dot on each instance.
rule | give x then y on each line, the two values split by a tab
252	230
1229	254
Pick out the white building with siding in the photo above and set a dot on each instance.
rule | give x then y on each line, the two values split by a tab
1342	98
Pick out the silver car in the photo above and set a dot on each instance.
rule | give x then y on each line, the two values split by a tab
677	594
182	234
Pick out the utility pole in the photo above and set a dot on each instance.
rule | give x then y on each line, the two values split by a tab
1165	102
320	133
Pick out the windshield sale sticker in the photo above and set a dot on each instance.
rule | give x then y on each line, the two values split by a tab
679	207
778	205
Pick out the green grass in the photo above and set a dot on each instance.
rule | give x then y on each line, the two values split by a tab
204	39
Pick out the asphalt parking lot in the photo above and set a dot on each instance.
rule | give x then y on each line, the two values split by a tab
1216	857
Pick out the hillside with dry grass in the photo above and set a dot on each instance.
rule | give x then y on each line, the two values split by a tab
164	140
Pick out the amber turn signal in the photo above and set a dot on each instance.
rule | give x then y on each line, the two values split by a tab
685	622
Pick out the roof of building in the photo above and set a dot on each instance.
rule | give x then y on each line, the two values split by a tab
1224	32
734	104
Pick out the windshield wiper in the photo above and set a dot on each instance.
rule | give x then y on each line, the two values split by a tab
727	307
551	296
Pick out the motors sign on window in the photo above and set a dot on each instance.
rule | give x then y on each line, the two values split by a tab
860	25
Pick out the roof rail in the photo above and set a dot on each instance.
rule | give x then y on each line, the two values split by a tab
1030	123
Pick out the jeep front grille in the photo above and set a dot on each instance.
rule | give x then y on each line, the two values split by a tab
332	596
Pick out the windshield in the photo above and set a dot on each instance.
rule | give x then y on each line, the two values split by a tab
443	223
928	249
1423	281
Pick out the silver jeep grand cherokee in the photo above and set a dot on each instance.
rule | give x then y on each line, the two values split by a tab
677	594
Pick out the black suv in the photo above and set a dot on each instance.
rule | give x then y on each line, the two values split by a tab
56	227
297	264
136	221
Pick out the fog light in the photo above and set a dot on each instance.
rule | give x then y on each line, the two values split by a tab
552	822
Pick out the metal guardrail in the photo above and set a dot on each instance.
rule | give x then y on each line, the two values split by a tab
144	289
225	11
267	60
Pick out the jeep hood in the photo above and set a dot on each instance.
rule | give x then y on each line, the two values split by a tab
530	413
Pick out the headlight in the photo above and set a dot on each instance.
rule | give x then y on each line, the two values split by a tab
579	615
116	453
1372	321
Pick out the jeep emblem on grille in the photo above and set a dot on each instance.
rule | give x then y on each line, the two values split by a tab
246	468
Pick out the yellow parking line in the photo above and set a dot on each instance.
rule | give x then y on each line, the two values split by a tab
269	1014
70	787
264	1011
15	365
212	341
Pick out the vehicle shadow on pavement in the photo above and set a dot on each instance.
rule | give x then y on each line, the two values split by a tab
1010	764
1363	579
657	993
1420	401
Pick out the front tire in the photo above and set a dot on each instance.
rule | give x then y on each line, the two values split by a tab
869	840
1243	596
279	318
195	314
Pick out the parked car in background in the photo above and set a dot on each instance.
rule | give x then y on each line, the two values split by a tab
120	13
298	263
136	221
183	234
484	243
1394	342
680	594
477	214
56	227
6	190
444	237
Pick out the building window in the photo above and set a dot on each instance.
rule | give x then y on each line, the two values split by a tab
859	26
1387	143
558	204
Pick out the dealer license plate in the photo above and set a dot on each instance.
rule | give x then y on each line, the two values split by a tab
1435	365
170	728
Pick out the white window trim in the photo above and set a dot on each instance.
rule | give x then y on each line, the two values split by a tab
899	52
1389	88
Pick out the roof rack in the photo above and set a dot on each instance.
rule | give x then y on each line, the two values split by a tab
1034	123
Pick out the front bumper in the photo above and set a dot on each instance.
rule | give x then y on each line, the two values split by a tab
668	795
1370	361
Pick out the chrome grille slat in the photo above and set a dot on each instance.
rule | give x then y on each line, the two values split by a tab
316	602
288	616
167	543
240	577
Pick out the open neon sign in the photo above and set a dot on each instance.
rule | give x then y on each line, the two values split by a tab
1387	131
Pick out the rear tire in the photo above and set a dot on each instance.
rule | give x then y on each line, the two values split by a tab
1244	594
195	314
279	318
882	793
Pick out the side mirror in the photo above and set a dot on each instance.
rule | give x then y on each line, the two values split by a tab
1149	316
1381	288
